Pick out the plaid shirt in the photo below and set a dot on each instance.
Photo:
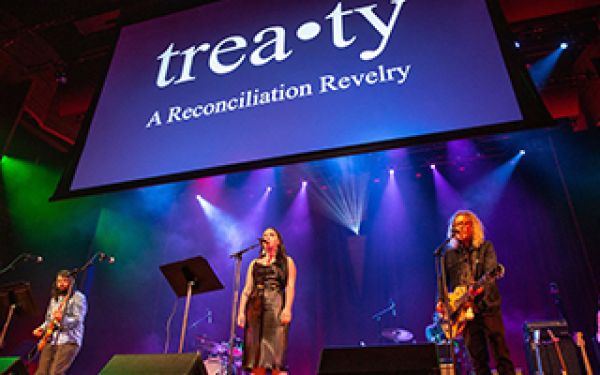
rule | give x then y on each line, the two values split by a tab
70	329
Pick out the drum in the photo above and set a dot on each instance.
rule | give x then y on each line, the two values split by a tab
213	366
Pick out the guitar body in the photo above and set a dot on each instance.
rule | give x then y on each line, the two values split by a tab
460	303
461	313
53	324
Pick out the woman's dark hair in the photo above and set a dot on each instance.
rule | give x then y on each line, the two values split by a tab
281	257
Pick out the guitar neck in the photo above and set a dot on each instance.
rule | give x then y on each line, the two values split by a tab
561	359
579	340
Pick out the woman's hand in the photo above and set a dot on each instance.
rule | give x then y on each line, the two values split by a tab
241	319
285	316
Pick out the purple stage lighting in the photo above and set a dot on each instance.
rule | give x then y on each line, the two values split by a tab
432	166
391	171
269	189
304	183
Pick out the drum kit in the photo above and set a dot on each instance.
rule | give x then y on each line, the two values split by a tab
216	353
397	335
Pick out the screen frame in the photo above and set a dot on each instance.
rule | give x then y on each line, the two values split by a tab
534	115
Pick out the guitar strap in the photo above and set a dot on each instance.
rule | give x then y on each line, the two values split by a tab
473	256
474	263
479	271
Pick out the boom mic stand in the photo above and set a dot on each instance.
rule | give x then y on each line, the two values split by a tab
100	256
236	282
440	271
24	257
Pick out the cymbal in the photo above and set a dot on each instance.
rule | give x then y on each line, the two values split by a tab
397	334
206	344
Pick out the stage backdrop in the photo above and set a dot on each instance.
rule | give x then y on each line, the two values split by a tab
235	85
540	212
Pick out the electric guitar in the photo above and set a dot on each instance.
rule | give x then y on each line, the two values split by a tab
460	303
581	344
54	323
556	341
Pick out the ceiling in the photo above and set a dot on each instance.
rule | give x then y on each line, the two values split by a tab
63	47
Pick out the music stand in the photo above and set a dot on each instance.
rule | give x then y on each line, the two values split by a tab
15	298
187	277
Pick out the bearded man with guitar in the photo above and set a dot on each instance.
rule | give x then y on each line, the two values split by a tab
470	264
61	333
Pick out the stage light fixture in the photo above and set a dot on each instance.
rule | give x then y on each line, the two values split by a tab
517	44
522	152
391	171
564	45
432	166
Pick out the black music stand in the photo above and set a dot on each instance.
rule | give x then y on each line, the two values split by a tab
16	299
187	277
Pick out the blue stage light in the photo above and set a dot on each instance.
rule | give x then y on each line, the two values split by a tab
564	45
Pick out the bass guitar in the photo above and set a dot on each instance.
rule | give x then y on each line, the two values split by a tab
460	303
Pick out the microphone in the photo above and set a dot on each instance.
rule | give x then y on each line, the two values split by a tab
393	307
105	257
209	316
35	258
454	232
261	240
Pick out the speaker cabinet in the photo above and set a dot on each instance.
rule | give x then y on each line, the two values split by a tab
414	359
155	364
12	366
547	350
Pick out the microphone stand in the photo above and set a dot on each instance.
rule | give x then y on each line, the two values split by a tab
236	282
207	317
440	270
11	266
378	315
98	255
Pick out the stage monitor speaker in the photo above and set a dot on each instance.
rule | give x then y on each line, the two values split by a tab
413	359
12	366
155	364
547	350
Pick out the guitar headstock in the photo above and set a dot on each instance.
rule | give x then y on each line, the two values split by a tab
497	272
579	339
